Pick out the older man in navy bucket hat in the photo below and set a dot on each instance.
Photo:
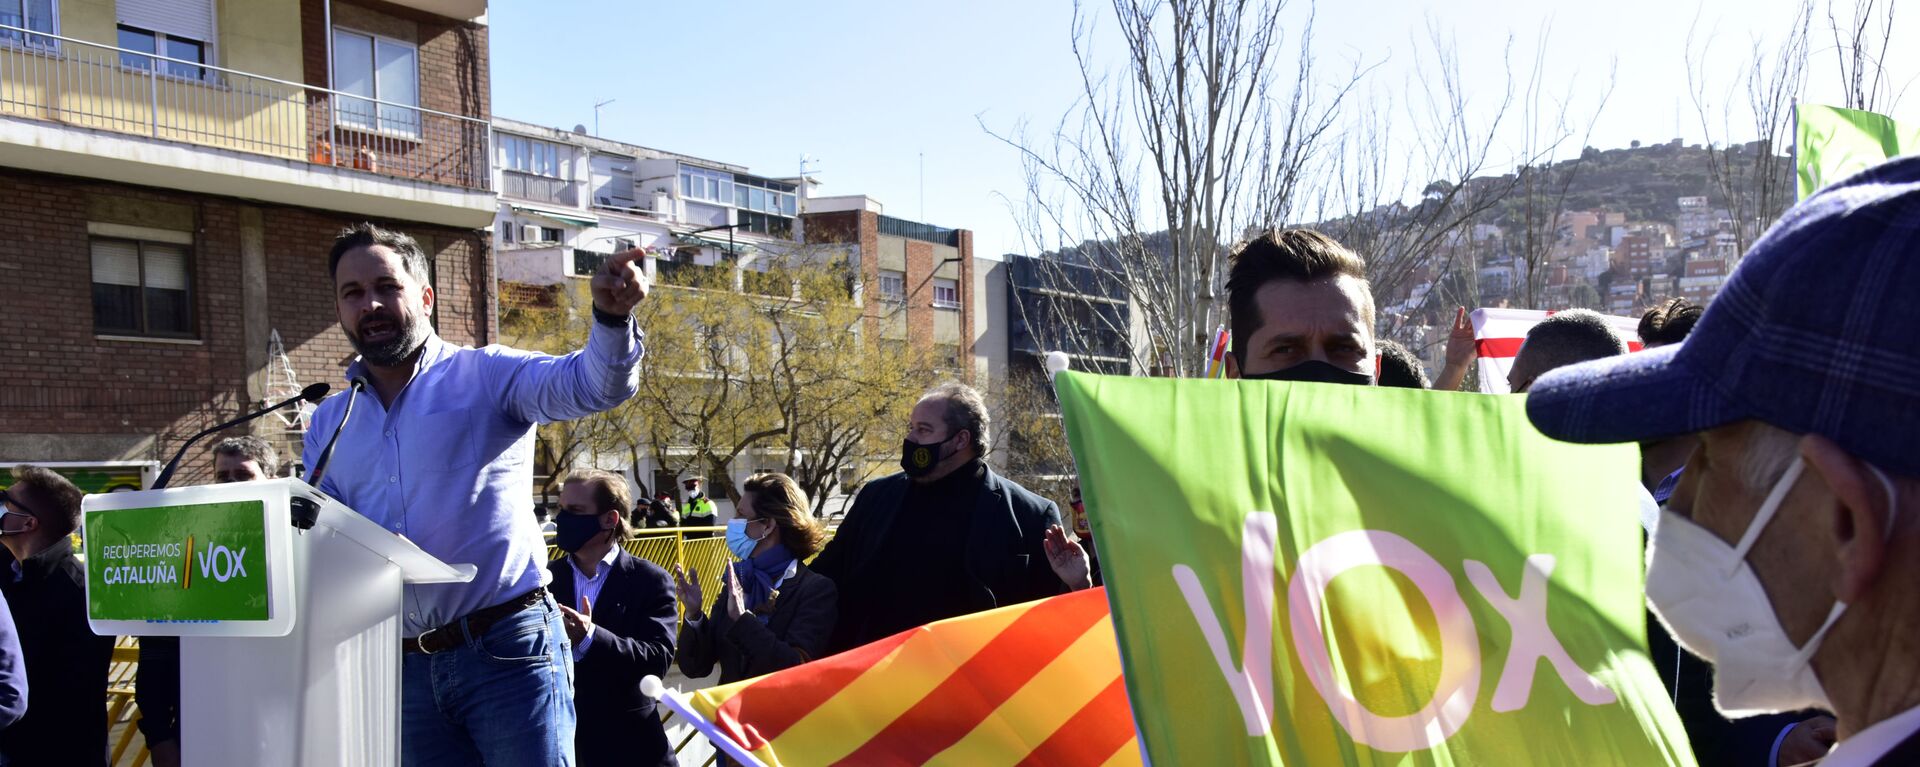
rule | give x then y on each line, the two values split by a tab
1790	554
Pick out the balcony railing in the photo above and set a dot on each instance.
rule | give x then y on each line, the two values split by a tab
526	186
88	85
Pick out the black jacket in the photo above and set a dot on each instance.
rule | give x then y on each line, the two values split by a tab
66	721
1005	556
633	624
797	629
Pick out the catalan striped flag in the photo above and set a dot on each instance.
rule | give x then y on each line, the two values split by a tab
1031	684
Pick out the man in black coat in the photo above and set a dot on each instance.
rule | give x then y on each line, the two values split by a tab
619	614
45	586
944	538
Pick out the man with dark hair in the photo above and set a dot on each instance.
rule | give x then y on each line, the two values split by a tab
1786	555
619	613
1398	366
46	591
1669	323
440	450
242	459
1566	338
945	537
1301	310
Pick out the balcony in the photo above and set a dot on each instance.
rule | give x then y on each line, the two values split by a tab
532	188
142	118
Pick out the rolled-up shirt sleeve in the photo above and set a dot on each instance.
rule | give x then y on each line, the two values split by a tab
542	388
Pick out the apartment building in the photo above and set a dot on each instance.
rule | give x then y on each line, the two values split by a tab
175	171
568	200
923	275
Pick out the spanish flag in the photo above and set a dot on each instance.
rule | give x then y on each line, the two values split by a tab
1031	684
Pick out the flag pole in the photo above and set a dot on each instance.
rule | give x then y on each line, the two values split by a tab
1793	149
652	687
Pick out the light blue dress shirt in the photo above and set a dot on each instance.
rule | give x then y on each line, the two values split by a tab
589	588
450	465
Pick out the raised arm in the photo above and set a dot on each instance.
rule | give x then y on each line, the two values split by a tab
541	388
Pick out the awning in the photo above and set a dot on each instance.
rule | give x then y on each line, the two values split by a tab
570	217
696	240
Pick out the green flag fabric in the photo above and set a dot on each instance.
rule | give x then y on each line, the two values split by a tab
1314	574
1831	143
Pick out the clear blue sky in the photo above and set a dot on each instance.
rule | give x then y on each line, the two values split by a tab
868	87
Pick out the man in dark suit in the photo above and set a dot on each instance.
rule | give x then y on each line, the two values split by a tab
45	587
944	538
618	612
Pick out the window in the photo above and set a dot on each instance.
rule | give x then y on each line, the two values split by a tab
36	15
535	157
377	68
765	196
893	287
175	29
145	41
709	185
761	223
141	288
946	293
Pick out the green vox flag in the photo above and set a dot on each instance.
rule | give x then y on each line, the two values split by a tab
1314	574
1833	143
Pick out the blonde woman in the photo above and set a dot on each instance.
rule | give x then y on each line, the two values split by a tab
772	612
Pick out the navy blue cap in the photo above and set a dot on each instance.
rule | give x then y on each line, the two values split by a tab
1816	332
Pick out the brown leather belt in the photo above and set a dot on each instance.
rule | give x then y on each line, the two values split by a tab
442	638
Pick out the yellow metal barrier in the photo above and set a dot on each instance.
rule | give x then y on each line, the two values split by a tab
669	547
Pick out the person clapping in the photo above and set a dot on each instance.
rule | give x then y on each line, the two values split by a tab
772	612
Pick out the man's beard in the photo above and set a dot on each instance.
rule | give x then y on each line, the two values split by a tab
395	348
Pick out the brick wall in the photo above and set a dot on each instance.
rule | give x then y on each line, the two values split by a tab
62	380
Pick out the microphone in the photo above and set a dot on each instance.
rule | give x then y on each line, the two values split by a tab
313	393
354	387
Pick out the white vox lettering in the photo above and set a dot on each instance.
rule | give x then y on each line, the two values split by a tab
221	563
1459	686
1453	699
1533	639
1252	681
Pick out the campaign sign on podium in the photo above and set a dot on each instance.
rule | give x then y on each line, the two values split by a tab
290	637
209	562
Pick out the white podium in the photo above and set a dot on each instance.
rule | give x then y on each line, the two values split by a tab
290	638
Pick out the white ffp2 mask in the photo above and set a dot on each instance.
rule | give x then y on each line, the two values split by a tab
1710	599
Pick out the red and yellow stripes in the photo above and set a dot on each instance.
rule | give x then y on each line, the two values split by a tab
1032	684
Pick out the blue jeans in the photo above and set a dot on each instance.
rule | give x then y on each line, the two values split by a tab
503	698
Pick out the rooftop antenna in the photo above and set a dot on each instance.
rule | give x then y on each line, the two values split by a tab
596	115
923	187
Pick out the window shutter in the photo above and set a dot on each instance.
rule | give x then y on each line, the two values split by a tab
191	19
166	267
116	262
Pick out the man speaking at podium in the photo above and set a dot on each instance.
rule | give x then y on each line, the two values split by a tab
440	450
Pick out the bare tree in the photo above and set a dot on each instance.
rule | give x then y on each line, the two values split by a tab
1860	47
1205	136
1754	181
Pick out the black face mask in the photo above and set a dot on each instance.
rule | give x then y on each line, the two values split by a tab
1313	371
572	531
918	460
